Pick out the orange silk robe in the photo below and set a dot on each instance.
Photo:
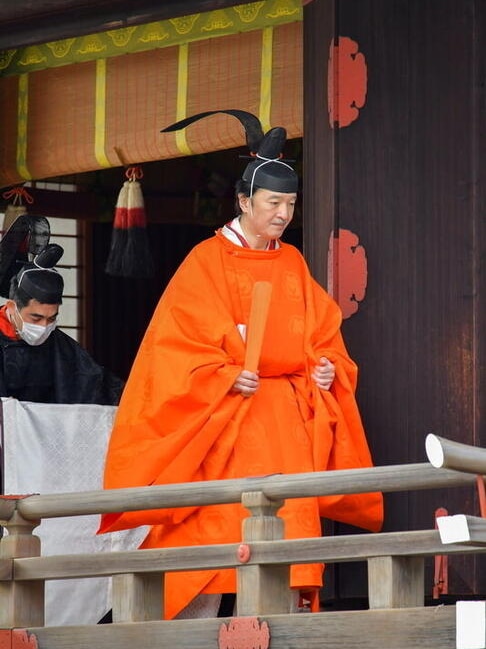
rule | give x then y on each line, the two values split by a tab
178	420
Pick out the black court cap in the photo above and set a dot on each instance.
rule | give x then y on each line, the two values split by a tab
267	170
274	175
40	280
45	286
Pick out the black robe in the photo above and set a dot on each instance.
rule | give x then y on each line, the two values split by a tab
58	371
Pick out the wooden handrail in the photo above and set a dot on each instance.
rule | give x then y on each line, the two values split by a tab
391	478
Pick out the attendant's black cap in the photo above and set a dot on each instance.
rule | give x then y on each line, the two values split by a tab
40	280
267	170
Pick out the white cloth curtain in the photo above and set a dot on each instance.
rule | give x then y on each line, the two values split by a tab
57	448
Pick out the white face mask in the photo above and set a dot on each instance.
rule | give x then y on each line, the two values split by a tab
34	334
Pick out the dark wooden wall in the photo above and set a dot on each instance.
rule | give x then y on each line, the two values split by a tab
408	178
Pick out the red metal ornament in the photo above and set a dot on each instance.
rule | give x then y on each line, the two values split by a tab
243	553
17	639
347	82
441	567
347	269
22	639
244	633
481	485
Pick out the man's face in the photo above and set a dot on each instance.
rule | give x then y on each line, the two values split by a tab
267	213
35	313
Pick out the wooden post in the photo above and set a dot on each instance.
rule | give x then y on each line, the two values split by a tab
137	598
262	590
396	582
21	603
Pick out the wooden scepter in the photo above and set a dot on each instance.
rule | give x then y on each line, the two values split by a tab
260	302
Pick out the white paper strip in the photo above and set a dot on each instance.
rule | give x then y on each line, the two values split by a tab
471	625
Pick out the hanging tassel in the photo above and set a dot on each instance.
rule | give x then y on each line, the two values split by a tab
138	258
16	207
114	264
130	254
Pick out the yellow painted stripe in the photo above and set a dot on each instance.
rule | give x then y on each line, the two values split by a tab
181	107
100	114
22	121
266	78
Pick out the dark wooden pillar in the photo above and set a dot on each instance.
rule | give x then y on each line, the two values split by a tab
479	228
319	151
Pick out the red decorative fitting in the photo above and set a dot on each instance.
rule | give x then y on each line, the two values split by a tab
134	173
5	639
347	269
480	482
17	639
22	639
244	633
441	572
243	553
347	82
18	193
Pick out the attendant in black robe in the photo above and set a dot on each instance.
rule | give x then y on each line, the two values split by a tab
38	362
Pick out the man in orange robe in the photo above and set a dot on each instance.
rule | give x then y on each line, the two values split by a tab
191	412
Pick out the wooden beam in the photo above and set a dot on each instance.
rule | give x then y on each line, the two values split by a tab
396	582
6	569
21	603
414	628
352	547
86	205
137	598
59	204
262	588
19	28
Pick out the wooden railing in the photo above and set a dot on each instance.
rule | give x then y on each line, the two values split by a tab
396	619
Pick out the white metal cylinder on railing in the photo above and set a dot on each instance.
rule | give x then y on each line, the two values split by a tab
444	453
